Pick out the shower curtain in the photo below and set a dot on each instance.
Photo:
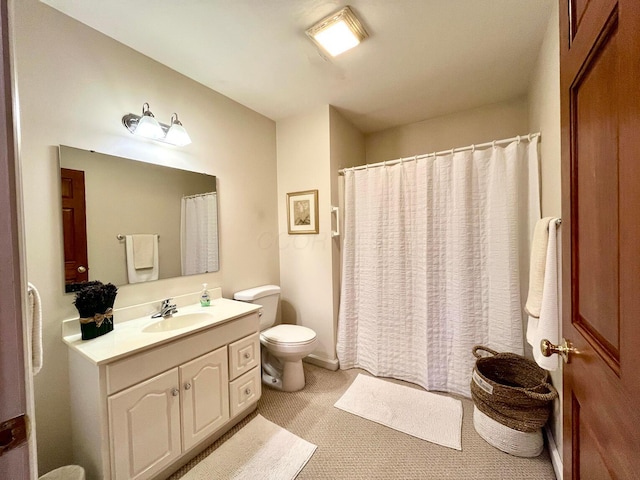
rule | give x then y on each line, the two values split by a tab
199	234
435	261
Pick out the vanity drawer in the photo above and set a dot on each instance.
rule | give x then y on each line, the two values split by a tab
244	355
244	391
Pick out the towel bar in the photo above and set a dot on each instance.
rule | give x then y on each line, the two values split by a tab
121	237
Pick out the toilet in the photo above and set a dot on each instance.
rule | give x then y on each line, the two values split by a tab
283	346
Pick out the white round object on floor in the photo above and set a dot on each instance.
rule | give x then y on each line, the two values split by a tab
514	442
68	472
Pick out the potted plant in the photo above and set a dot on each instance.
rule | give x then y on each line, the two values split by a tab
94	302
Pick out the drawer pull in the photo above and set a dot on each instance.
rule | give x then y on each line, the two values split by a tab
247	355
187	386
175	392
247	391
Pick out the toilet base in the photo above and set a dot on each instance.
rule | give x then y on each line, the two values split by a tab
288	378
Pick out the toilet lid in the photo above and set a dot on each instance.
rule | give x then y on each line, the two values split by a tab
289	334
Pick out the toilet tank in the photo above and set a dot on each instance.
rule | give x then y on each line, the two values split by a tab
267	296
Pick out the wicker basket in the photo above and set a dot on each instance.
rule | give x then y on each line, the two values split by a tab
511	389
513	442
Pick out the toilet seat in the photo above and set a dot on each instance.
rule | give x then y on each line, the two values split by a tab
288	335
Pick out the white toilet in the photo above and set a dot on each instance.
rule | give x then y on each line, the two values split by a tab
283	346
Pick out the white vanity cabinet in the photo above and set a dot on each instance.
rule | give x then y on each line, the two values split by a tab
147	421
143	413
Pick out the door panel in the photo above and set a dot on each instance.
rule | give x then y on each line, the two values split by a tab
74	224
144	424
600	100
205	396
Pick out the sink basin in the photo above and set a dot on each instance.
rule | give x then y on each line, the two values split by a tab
177	322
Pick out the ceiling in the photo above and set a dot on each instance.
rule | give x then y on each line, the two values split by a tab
423	58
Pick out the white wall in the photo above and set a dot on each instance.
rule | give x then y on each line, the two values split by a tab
305	260
479	125
544	116
74	86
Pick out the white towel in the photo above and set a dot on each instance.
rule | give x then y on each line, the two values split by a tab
141	275
547	325
537	266
35	327
143	248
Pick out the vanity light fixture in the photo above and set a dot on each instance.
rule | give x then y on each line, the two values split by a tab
338	32
147	126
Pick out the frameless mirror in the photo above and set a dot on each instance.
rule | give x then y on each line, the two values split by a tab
126	221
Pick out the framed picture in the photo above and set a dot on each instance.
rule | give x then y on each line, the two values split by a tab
302	212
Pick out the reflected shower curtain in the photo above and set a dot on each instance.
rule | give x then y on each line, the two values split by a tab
435	261
199	234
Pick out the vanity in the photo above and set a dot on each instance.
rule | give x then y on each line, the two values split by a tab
153	393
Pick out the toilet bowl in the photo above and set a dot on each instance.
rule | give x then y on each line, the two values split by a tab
283	346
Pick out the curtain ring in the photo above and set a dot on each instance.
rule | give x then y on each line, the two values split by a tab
493	144
473	148
518	139
529	136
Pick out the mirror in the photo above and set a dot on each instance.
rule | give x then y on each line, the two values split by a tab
127	221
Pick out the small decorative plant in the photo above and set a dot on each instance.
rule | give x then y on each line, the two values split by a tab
94	302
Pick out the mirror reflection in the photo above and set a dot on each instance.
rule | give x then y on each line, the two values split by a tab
126	221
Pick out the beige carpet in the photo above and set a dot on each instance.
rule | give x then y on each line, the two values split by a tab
352	448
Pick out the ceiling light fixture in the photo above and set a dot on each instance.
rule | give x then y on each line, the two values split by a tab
338	32
147	126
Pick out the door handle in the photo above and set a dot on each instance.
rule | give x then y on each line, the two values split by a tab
547	348
81	269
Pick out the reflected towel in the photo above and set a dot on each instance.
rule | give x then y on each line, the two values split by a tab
547	326
141	275
537	266
143	248
35	327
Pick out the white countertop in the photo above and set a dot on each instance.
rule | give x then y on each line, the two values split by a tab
133	336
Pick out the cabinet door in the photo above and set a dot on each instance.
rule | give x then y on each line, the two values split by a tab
144	424
205	396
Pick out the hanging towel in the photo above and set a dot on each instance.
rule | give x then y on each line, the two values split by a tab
547	325
141	275
143	249
537	266
35	327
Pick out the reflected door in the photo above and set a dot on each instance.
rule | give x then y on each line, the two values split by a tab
74	225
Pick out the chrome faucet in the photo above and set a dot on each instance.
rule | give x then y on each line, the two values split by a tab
166	310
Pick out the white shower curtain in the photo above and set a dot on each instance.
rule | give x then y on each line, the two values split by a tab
435	260
199	234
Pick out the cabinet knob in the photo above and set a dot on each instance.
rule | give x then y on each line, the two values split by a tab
175	392
187	386
247	391
247	355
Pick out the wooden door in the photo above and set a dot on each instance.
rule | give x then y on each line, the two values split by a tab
205	396
600	90
74	228
144	427
17	458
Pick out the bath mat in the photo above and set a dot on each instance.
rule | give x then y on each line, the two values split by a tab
261	450
431	417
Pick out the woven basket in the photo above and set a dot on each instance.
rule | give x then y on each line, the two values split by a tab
513	442
511	389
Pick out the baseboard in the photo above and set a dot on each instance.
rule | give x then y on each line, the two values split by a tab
554	453
322	362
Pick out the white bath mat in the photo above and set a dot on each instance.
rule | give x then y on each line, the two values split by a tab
261	450
431	417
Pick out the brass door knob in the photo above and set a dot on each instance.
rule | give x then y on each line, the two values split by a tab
81	269
547	348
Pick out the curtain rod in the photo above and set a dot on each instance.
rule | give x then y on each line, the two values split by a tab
198	195
518	138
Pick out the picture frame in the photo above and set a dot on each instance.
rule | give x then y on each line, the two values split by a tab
302	212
